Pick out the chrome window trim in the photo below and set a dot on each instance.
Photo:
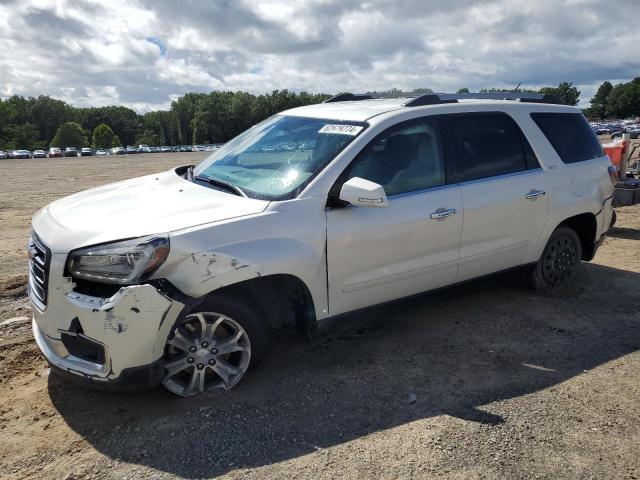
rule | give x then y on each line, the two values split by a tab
466	182
499	177
424	190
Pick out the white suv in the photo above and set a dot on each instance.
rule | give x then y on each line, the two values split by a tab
180	277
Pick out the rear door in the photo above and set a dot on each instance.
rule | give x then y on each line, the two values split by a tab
379	254
504	193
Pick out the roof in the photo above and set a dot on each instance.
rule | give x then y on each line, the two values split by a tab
359	111
363	110
362	107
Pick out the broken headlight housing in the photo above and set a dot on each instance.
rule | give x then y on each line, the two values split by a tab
125	262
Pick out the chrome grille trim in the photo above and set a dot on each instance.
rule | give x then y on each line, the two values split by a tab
39	261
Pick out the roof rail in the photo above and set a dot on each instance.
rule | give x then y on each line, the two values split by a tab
420	99
349	97
454	97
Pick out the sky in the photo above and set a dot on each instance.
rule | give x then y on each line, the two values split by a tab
145	53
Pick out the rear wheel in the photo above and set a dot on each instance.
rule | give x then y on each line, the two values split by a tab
560	260
214	348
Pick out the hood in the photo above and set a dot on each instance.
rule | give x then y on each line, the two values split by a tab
153	204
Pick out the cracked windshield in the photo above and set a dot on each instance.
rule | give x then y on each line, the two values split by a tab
276	159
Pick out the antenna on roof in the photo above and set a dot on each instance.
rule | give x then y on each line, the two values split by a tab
517	87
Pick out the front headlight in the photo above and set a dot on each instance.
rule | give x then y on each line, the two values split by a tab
125	262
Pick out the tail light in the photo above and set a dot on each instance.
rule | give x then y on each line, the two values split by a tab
613	174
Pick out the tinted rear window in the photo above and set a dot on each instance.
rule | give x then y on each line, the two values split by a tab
571	136
487	144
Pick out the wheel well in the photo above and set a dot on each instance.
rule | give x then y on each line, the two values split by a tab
284	300
585	226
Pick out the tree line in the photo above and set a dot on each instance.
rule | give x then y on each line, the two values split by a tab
615	101
41	122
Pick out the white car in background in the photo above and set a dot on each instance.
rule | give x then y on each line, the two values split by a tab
182	277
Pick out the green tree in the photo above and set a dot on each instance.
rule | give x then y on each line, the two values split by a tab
24	137
103	136
565	91
124	122
69	134
115	142
463	90
624	99
206	117
47	114
145	139
599	100
422	90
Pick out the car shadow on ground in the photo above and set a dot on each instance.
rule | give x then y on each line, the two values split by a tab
623	232
455	350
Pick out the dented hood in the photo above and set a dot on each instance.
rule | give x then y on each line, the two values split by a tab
147	205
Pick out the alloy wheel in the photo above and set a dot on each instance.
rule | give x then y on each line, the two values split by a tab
206	351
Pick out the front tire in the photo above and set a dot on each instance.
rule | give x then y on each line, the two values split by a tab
214	347
560	259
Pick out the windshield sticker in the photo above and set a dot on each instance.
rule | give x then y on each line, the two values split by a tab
336	129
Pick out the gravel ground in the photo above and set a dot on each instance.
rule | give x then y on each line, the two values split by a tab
484	380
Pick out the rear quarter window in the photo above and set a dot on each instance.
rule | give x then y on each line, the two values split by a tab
570	135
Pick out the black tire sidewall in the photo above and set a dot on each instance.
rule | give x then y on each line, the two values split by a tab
246	314
539	281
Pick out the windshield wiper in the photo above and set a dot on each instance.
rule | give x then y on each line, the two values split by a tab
229	187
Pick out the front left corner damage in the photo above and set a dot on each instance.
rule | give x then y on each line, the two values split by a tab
133	325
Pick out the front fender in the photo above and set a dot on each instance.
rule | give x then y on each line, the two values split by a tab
289	239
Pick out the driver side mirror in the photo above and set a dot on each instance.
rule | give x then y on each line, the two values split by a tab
363	193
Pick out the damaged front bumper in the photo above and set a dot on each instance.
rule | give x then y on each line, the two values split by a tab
114	340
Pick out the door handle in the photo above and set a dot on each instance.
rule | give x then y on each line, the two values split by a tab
442	213
533	194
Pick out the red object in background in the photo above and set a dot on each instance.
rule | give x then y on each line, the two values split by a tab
616	150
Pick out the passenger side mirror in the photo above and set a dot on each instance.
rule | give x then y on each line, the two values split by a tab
363	193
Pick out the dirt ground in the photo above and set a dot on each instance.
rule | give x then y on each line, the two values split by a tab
485	380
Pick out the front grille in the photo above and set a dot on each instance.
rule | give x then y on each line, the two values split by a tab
39	261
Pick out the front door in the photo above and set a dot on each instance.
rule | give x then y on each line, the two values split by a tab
378	254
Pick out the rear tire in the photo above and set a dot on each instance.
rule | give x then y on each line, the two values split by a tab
560	260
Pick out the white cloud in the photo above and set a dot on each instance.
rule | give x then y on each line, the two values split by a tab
146	53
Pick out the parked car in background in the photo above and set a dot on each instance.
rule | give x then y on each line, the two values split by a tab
632	130
21	154
3	154
182	278
54	152
144	149
39	154
601	130
130	150
101	152
197	148
165	149
86	152
118	151
70	152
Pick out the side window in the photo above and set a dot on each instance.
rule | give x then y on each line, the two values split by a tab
530	157
570	135
404	158
487	144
